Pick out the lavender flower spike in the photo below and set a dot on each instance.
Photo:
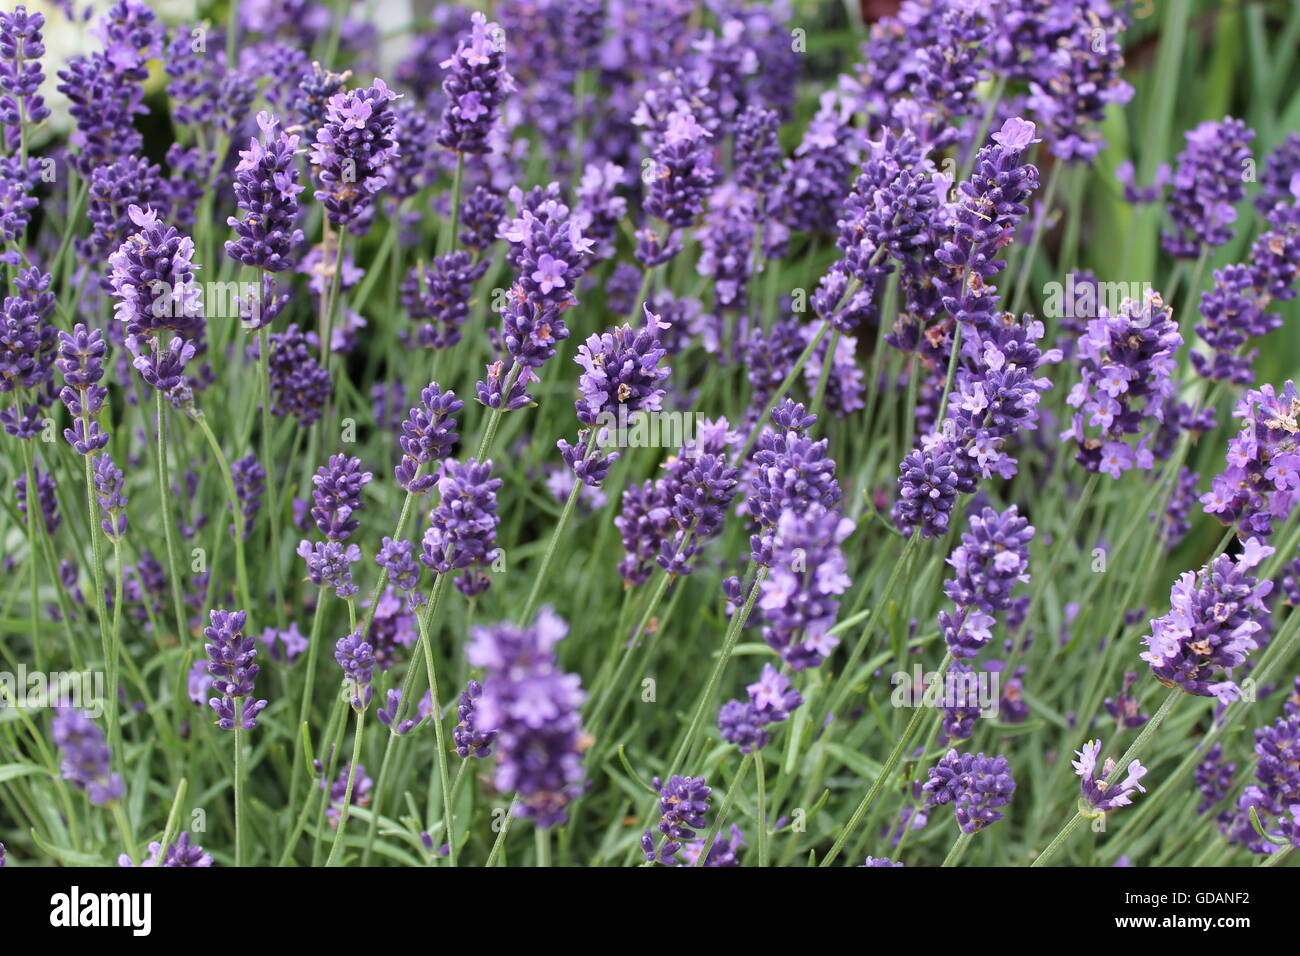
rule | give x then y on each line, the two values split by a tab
231	658
1096	790
86	757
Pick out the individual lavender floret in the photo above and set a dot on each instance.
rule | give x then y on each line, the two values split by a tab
231	658
1124	707
1261	483
329	564
250	484
977	786
723	852
992	558
463	526
534	708
428	434
86	757
337	496
475	86
683	802
284	646
81	357
299	386
388	714
109	486
352	151
1209	180
180	853
266	189
438	297
357	658
879	861
21	49
1096	790
1127	362
468	738
800	597
1213	617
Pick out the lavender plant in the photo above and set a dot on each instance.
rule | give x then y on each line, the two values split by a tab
651	434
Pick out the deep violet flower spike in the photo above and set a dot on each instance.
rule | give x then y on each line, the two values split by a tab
475	85
534	708
357	659
977	786
86	757
352	152
1211	625
337	496
266	189
231	664
428	435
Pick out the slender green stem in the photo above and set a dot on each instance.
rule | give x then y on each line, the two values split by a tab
241	568
761	795
239	781
958	849
164	500
345	814
269	463
432	672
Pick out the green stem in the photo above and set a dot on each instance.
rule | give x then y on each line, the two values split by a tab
958	849
337	850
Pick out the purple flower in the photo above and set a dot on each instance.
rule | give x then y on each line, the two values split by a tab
337	496
800	597
469	739
86	757
21	49
1208	183
534	708
46	496
396	557
109	486
353	150
1261	483
284	646
1213	778
438	297
1210	627
357	659
1124	708
81	356
153	280
462	528
329	564
299	386
428	435
683	802
1127	363
1096	790
992	558
977	786
250	483
475	86
231	658
266	188
180	853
